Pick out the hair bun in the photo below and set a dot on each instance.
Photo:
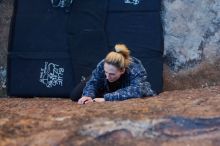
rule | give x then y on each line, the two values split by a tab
120	58
122	49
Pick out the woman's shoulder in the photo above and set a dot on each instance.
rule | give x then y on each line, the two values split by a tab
100	66
136	65
134	60
101	63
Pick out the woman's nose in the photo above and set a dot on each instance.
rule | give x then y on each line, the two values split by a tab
107	76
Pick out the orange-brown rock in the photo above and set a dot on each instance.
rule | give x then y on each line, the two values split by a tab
189	117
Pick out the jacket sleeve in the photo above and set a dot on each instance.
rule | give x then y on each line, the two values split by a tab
139	87
95	82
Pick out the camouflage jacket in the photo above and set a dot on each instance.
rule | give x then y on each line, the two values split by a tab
133	84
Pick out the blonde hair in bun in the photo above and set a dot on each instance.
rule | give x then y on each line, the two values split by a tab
120	58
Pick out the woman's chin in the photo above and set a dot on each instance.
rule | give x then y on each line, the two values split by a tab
111	81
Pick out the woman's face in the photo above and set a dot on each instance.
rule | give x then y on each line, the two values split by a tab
112	73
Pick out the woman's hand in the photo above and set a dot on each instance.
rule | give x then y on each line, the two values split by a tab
85	100
99	100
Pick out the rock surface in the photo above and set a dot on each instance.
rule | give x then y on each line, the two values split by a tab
6	8
192	32
188	117
203	75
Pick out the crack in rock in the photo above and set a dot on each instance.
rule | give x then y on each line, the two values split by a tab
171	127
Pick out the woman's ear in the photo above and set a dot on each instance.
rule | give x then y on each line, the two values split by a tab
122	70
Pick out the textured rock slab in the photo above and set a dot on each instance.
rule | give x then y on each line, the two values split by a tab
192	32
170	127
189	117
6	8
203	75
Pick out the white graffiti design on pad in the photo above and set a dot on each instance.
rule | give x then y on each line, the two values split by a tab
61	3
134	2
51	75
